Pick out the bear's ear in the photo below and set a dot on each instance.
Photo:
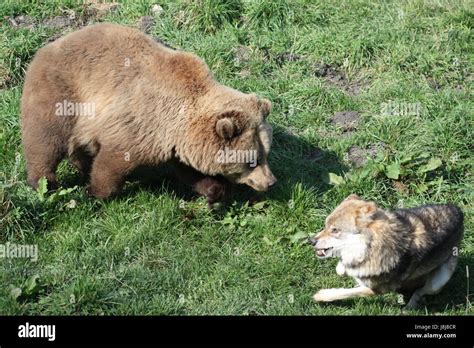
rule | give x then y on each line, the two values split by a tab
265	106
225	128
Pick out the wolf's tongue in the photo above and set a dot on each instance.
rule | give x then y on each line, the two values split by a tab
320	252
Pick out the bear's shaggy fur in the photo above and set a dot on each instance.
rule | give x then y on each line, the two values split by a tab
146	104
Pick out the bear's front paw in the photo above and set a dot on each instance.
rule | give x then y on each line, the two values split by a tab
215	189
215	193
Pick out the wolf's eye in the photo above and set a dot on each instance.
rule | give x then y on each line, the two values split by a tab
334	230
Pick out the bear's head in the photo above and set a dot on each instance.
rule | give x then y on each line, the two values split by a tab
228	134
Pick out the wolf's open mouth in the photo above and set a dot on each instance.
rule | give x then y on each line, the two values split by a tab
322	252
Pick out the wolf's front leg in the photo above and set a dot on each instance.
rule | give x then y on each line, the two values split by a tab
340	269
329	295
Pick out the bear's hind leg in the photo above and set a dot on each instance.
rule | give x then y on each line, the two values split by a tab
108	172
82	160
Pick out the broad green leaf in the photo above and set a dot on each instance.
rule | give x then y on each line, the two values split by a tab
71	204
15	293
334	179
432	164
298	236
406	158
42	188
392	171
63	192
31	285
379	157
259	205
267	241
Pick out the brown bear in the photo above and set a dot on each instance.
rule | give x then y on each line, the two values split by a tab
111	99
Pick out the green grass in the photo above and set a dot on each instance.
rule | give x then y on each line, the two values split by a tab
156	250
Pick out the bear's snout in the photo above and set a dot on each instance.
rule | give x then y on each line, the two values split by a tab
273	181
260	179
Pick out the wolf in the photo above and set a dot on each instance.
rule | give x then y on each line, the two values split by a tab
409	251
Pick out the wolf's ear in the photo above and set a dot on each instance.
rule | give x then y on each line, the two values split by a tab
368	212
225	128
368	208
351	197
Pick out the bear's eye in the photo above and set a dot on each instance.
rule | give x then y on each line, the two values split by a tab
253	163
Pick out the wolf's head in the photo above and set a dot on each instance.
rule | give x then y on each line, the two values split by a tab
348	231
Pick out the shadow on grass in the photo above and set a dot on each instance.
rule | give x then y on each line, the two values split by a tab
458	292
292	160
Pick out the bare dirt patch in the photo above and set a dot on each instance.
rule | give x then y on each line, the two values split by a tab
58	22
93	11
96	9
358	156
21	21
286	57
345	120
459	86
336	78
434	84
242	54
400	187
5	77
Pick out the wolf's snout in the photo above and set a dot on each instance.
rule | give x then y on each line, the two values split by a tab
312	241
